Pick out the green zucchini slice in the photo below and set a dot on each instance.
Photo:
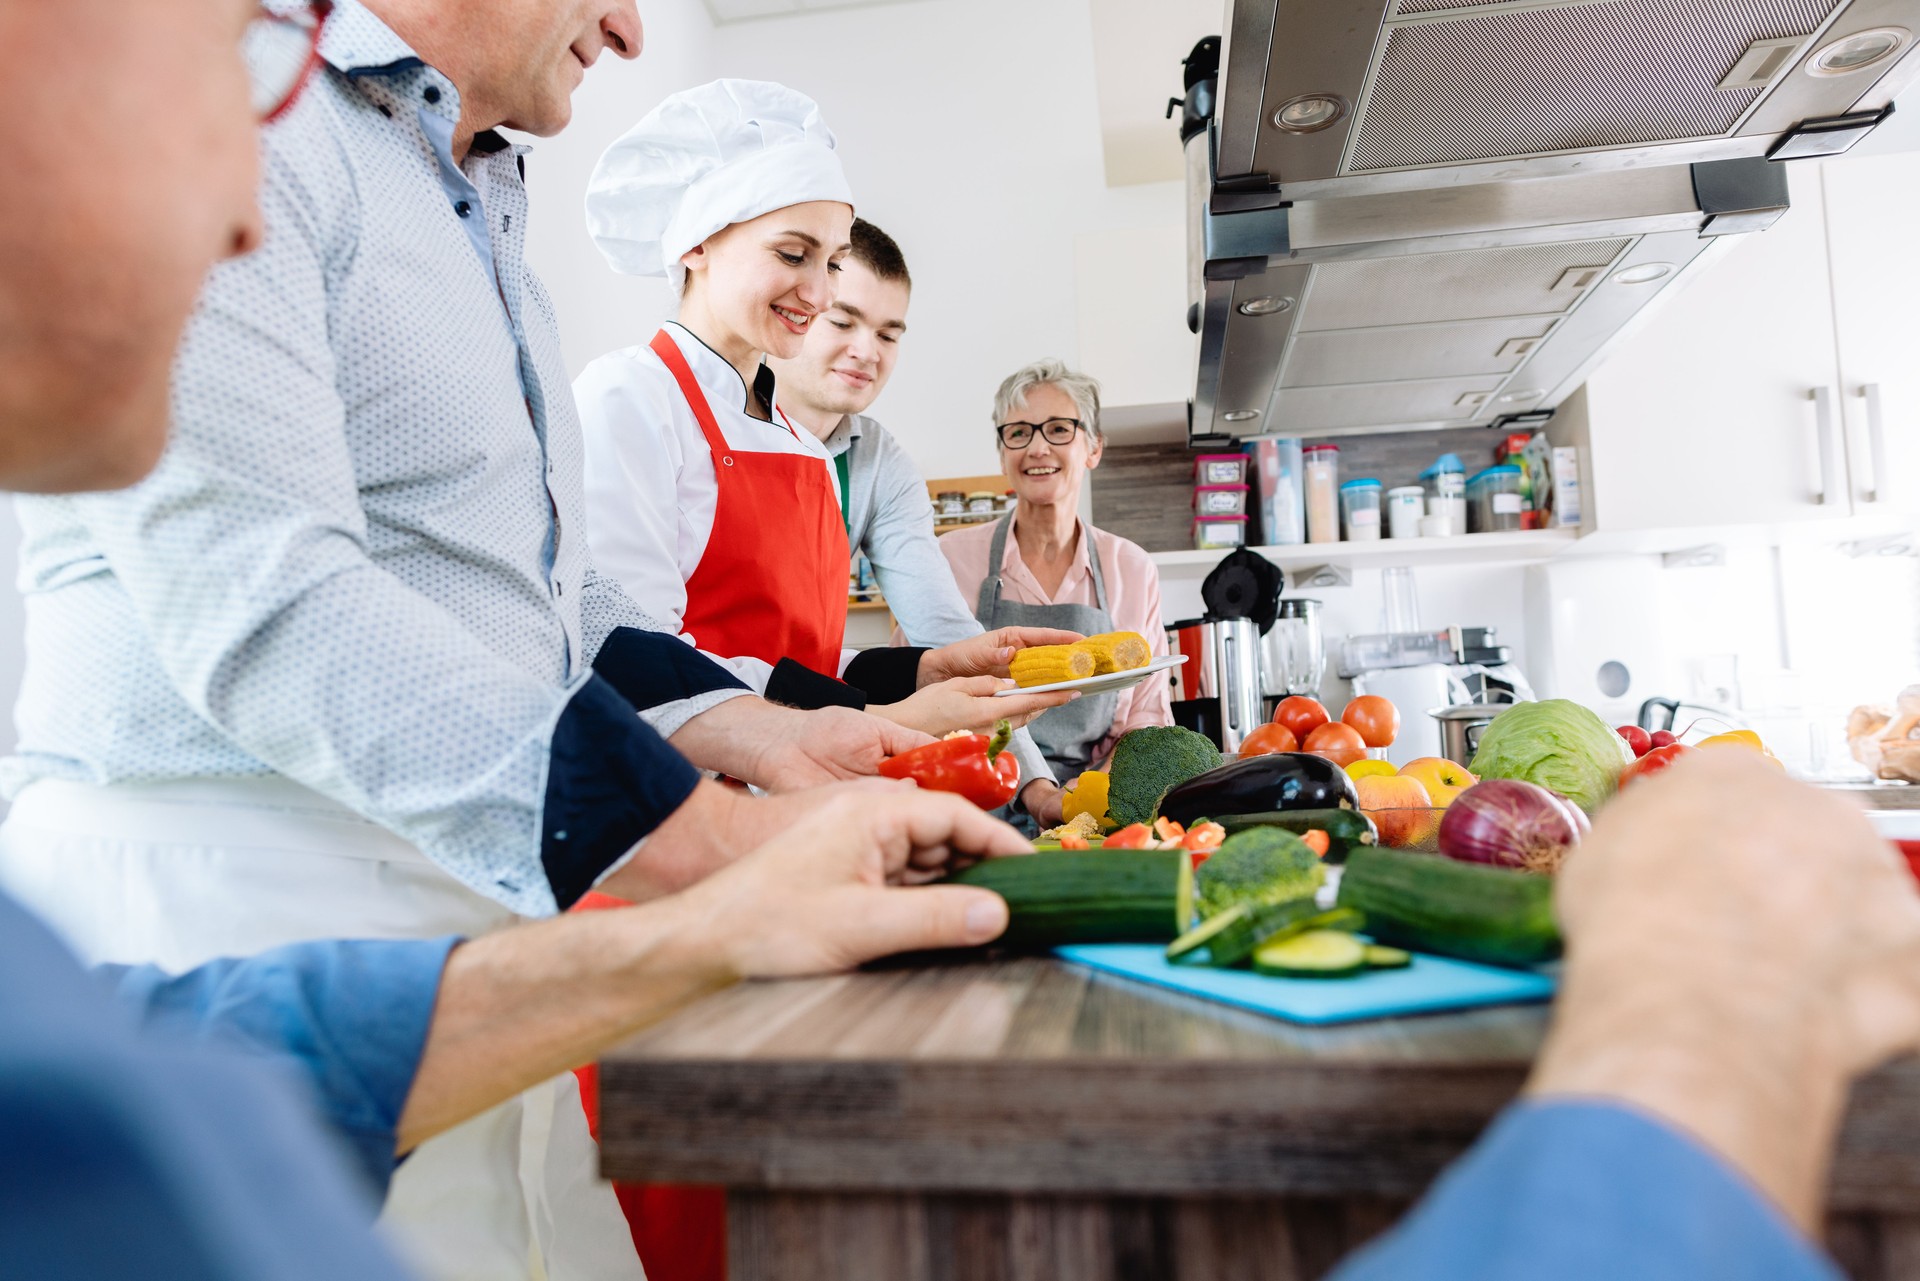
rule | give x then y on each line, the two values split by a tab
1316	954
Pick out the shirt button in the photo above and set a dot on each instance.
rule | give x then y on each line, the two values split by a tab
432	93
463	208
558	590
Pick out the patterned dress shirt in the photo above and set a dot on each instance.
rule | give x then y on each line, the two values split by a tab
362	561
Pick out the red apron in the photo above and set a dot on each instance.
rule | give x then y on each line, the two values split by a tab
772	584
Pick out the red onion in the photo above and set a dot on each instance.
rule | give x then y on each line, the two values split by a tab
1510	823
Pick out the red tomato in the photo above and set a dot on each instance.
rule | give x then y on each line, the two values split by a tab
1134	836
1268	739
1638	739
1653	762
1339	743
1301	715
1377	719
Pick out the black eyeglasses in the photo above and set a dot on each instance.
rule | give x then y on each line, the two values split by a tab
1058	431
281	49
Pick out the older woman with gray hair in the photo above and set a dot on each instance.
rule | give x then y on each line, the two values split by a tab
1042	566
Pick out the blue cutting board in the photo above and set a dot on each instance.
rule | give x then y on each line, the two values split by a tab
1430	983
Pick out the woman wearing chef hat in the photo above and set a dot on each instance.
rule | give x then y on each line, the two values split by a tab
703	501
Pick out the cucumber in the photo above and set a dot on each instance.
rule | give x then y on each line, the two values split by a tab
1205	933
1089	896
1430	903
1387	958
1316	954
1347	830
1233	935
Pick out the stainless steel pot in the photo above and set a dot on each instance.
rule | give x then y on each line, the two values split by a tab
1460	728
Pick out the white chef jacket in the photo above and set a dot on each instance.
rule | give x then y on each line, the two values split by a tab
650	484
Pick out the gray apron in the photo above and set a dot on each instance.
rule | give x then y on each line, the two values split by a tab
1067	734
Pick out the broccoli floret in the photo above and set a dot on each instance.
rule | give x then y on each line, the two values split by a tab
1146	762
1259	866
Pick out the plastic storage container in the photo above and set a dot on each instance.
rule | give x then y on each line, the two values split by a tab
1406	504
1493	500
1320	465
1277	495
1446	486
1220	500
1360	510
1213	532
1220	469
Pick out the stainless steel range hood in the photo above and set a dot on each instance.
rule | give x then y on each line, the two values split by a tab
1409	213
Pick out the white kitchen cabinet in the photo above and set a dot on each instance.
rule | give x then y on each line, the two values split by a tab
1876	301
1706	415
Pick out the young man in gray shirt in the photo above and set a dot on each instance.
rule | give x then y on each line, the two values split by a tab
827	389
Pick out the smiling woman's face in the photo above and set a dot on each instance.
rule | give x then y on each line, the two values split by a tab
767	279
1045	473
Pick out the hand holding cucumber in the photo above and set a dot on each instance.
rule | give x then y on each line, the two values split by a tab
1738	948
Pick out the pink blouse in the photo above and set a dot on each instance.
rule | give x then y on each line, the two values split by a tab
1133	599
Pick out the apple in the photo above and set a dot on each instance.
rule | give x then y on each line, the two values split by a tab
1400	807
1443	779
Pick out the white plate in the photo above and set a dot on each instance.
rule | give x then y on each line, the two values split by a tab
1101	684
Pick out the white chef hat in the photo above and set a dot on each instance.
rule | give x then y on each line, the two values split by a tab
703	160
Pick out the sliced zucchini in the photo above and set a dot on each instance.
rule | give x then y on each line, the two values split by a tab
1387	958
1203	934
1316	954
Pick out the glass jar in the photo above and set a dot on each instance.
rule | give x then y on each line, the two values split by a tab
1320	466
1360	510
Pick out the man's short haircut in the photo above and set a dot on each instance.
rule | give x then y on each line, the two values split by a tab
1084	391
875	249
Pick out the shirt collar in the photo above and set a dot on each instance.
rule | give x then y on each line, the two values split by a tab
720	380
355	42
841	438
1082	548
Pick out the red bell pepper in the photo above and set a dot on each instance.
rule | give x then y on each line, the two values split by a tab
1654	761
970	765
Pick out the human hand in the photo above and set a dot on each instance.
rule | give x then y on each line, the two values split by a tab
829	894
986	654
784	749
715	826
1045	801
967	703
1738	947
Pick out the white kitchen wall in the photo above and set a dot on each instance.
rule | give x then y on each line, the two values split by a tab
971	133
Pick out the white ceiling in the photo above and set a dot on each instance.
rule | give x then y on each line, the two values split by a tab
1137	47
725	11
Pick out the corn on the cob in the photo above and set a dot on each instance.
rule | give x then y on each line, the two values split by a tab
1045	664
1116	651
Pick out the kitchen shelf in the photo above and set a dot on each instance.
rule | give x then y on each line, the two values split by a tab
1518	547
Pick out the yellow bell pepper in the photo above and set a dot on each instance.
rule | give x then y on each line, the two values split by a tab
1086	795
1740	738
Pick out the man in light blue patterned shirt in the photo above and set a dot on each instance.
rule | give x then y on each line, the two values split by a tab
341	667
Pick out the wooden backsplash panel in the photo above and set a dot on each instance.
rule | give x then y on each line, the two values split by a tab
1145	492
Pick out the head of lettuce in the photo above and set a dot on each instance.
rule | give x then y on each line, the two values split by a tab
1558	744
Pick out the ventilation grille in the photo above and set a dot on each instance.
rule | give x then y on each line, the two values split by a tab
1406	352
1474	284
1574	77
1303	411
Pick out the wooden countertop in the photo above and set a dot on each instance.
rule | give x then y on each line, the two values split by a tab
1027	1074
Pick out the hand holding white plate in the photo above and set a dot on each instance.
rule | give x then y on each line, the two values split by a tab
1101	684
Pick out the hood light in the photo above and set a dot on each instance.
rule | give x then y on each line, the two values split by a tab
1309	113
1240	415
1520	397
1644	273
1859	51
1265	306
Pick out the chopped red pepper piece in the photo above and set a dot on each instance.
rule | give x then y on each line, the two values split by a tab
1317	841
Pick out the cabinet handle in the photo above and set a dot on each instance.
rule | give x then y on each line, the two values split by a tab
1823	439
1876	443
